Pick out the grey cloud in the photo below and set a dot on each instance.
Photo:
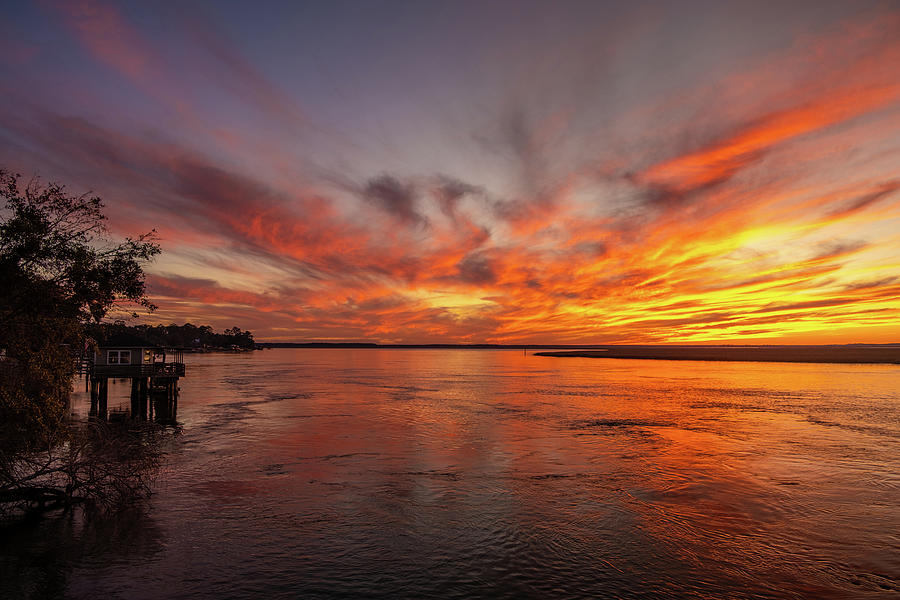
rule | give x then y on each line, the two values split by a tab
394	197
866	200
477	269
449	192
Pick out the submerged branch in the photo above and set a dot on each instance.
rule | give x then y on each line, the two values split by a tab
97	464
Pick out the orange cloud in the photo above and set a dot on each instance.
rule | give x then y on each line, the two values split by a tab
725	158
759	232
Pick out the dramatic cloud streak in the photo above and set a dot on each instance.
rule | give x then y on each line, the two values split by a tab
320	182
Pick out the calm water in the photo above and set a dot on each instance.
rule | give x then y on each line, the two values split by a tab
461	473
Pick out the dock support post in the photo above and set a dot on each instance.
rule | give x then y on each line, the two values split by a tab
104	395
135	397
143	393
95	392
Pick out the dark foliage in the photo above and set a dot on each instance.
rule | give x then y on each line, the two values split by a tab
172	336
57	240
98	465
59	271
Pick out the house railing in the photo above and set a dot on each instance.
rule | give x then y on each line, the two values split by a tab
159	369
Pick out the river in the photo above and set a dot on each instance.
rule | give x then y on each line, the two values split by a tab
391	473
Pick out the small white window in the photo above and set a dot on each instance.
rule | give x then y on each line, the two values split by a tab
118	357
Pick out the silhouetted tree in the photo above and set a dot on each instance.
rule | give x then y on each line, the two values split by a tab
178	336
59	271
242	339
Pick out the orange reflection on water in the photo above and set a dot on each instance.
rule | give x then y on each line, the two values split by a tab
490	470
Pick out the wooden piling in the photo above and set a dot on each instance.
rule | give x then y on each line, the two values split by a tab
95	392
143	393
135	397
102	411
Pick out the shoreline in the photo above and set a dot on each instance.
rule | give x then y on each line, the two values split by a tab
851	354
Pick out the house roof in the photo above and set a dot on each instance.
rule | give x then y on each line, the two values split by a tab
126	340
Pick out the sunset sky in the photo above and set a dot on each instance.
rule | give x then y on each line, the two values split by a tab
596	172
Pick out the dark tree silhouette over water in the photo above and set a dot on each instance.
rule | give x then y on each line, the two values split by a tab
177	336
60	271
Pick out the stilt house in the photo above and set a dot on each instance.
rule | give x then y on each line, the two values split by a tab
153	370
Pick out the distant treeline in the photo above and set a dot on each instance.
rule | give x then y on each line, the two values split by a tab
426	346
176	336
